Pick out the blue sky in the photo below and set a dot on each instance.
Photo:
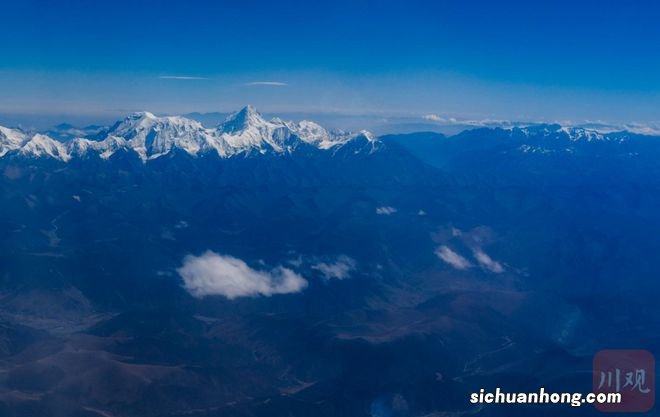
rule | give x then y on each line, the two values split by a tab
541	60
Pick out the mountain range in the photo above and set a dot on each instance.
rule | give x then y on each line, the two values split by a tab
150	137
244	133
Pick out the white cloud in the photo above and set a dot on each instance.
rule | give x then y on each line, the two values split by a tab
486	261
439	119
271	83
452	258
385	210
473	240
643	129
215	274
434	118
339	269
181	224
421	213
473	122
181	77
296	262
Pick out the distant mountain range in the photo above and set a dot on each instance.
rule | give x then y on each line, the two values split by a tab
244	132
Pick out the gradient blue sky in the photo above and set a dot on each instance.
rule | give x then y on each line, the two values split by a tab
532	60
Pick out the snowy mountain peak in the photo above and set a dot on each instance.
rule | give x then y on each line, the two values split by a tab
10	139
141	115
151	136
136	122
243	119
43	146
368	135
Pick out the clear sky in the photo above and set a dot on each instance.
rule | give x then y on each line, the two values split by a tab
540	60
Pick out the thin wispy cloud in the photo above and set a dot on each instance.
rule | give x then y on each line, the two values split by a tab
452	258
439	119
474	240
340	268
181	77
473	122
487	262
385	210
267	83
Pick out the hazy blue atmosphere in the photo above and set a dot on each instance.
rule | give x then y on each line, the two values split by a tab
547	61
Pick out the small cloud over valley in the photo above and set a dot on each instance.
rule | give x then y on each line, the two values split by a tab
340	268
452	258
215	274
385	210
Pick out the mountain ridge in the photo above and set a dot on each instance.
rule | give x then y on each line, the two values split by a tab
150	137
247	133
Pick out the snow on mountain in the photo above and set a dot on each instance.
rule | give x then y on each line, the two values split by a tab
245	119
572	133
10	139
363	142
104	148
578	133
586	129
37	145
43	146
316	135
246	132
150	136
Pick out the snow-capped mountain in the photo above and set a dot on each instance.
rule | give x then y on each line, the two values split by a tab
11	139
247	133
43	146
150	137
572	133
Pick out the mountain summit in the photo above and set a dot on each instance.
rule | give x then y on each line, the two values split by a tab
242	119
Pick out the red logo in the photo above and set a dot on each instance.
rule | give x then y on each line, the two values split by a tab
630	373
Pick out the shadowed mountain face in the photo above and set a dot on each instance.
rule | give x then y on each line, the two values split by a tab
270	268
